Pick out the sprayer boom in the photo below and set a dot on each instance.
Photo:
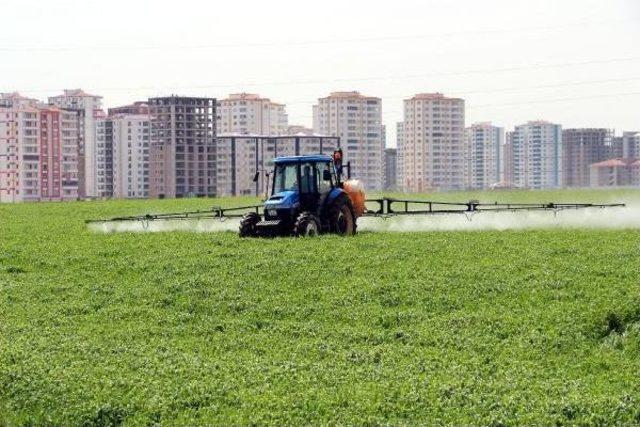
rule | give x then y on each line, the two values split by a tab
386	207
382	208
213	213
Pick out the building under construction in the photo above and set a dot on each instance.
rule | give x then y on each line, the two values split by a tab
182	147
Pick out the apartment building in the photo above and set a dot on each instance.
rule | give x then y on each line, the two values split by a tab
104	157
433	143
631	145
357	120
239	157
536	155
123	156
89	109
615	173
250	114
484	156
580	149
400	155
38	151
131	134
507	162
616	150
137	108
390	168
182	147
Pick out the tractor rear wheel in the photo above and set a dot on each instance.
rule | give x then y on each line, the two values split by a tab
307	225
342	220
248	225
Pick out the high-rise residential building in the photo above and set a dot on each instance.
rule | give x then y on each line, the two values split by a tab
631	145
580	149
250	114
507	162
390	168
536	155
433	143
137	108
89	108
182	155
383	135
123	156
38	151
239	157
616	150
357	120
400	155
130	155
484	155
104	157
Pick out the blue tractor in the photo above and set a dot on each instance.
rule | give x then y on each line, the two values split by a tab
307	198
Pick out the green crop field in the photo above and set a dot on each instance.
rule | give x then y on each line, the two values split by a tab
175	328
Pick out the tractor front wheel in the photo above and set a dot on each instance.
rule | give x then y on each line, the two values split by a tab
342	220
307	225
248	225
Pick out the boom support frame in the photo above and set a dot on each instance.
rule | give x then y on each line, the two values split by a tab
386	207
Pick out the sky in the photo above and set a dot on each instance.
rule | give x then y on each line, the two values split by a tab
573	62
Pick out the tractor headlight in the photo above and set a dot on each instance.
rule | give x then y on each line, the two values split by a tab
272	212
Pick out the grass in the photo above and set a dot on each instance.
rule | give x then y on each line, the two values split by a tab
515	327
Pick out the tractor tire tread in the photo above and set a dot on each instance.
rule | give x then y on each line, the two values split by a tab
301	223
334	212
248	224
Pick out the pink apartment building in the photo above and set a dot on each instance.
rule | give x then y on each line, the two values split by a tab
38	151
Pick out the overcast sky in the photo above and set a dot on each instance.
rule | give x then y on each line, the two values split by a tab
574	62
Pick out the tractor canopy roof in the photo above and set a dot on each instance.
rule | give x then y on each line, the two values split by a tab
302	159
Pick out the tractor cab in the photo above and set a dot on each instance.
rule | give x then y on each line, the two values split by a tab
302	179
304	191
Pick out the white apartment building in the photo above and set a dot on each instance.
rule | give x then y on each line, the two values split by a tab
483	155
104	157
433	143
130	156
390	168
400	155
239	157
631	145
357	120
536	155
249	114
38	151
89	108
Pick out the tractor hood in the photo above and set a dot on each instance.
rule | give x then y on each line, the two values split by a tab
283	200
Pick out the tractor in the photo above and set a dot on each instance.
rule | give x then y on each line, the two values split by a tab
308	198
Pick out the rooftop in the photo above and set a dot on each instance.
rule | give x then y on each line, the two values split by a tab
244	95
539	122
611	163
248	97
77	93
14	96
349	94
482	125
432	97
